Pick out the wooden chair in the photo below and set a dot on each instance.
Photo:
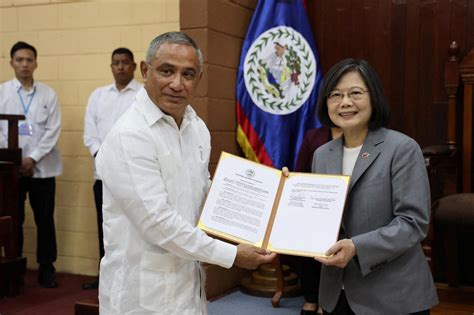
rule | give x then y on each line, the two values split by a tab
441	167
12	268
454	212
454	219
442	163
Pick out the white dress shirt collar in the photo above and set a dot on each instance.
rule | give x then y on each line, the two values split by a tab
153	113
17	84
132	85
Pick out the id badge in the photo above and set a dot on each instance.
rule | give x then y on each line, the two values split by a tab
25	129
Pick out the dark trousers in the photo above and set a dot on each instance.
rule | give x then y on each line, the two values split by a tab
309	273
41	193
98	206
343	308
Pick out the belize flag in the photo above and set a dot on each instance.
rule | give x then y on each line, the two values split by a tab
278	83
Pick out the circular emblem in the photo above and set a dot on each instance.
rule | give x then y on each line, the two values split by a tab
250	172
279	70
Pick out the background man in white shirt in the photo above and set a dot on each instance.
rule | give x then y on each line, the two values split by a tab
106	104
41	163
154	168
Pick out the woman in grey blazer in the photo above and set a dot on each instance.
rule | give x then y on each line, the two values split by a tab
377	266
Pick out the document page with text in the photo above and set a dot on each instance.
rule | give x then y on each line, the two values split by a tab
309	214
240	201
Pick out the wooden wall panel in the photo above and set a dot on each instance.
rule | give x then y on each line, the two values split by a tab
407	43
428	78
397	44
411	75
470	24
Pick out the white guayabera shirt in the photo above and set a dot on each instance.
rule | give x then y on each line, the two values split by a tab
106	104
155	179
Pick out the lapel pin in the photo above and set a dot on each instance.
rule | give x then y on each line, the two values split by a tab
365	155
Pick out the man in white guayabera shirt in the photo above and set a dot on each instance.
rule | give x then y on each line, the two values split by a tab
41	163
154	168
106	105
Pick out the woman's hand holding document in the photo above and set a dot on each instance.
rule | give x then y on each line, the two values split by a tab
288	213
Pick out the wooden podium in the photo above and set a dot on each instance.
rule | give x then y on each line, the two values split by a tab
12	267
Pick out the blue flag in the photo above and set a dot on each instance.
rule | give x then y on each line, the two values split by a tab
278	82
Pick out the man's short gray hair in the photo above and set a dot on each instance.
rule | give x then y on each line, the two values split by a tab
172	38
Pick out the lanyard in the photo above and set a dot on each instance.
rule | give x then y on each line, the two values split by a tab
26	108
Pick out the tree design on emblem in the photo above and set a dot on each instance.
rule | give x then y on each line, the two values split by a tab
280	71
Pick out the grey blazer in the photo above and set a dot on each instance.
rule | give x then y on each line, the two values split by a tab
386	216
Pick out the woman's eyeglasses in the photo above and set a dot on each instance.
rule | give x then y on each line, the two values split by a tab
354	93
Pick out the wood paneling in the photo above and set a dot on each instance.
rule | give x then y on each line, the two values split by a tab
407	43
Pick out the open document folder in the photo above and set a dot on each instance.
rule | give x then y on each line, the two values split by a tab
252	203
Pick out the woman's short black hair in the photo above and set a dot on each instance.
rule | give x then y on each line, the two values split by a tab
380	107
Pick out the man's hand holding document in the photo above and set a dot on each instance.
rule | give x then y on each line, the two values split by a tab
299	214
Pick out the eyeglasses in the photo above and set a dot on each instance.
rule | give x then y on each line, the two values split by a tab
354	93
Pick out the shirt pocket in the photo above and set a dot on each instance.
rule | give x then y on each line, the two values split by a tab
157	280
204	154
41	115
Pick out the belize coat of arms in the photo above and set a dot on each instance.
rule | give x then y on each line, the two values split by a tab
279	70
